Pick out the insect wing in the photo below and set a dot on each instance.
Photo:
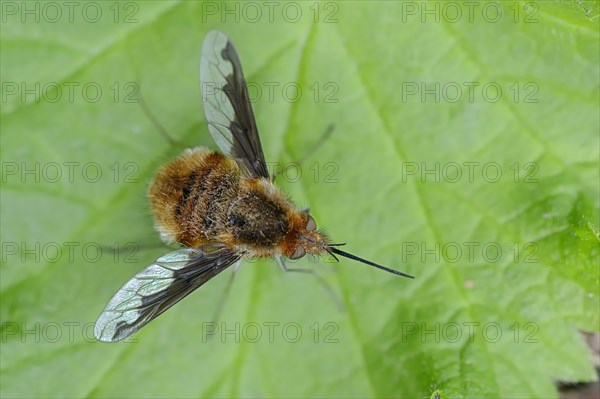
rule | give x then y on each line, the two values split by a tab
158	287
227	106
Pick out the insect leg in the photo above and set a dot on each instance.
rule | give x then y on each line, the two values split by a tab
217	314
324	137
157	125
322	282
281	263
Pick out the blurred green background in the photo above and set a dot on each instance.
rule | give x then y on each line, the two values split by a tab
465	152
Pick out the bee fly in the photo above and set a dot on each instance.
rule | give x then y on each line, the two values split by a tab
221	207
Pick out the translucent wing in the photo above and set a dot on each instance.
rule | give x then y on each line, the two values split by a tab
158	287
227	107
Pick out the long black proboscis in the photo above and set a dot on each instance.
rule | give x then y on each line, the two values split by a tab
356	258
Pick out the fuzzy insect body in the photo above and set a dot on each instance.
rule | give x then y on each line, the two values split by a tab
203	197
221	207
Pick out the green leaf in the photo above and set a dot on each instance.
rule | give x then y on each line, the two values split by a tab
465	152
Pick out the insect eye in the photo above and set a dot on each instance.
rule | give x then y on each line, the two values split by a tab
311	225
300	252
